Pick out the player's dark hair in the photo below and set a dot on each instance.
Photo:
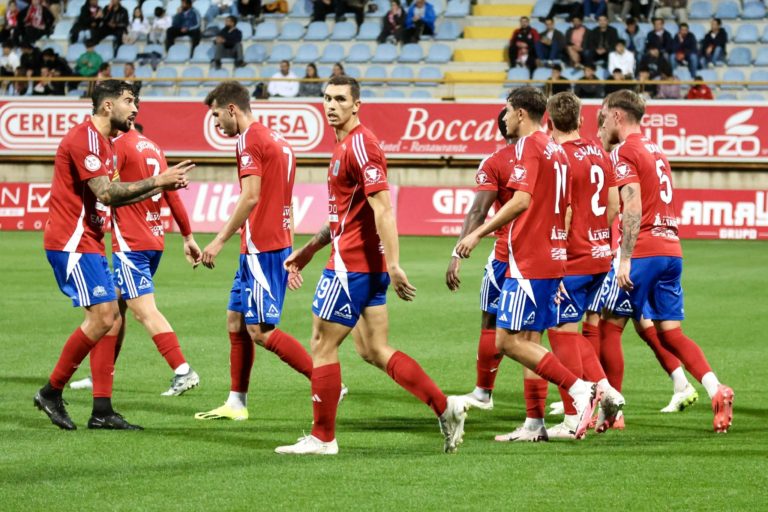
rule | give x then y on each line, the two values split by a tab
230	92
600	118
110	89
354	85
139	128
502	123
629	101
683	25
530	99
564	110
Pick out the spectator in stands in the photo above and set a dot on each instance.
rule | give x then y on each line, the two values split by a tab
672	9
610	84
354	6
522	46
570	8
601	40
338	69
105	72
556	82
31	59
585	90
575	39
655	63
685	50
160	25
641	9
10	31
20	87
629	34
551	43
115	22
42	87
139	27
645	87
55	7
660	38
89	19
669	91
249	9
618	10
57	64
284	88
89	62
594	8
9	61
129	75
311	89
622	58
419	21
699	91
185	23
322	8
36	21
713	46
392	24
229	44
219	7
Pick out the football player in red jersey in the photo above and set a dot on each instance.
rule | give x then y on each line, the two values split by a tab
351	294
651	264
82	190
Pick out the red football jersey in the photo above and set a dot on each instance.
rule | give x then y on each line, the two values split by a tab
638	160
265	153
537	237
358	169
76	219
493	175
589	237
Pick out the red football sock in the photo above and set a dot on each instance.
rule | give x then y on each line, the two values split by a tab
407	372
118	347
553	370
592	333
611	353
590	363
535	393
488	359
75	349
566	348
326	388
687	350
290	351
241	355
168	345
666	358
103	366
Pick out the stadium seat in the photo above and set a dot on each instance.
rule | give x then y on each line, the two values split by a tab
266	31
73	9
518	74
323	71
126	53
359	53
383	7
393	93
154	92
267	71
177	54
374	73
292	31
246	76
727	96
429	73
403	72
165	72
421	94
156	48
640	43
746	34
353	71
148	9
61	31
369	31
439	53
385	53
460	8
301	9
255	54
203	53
317	31
739	56
144	71
246	28
367	93
439	6
411	52
708	75
541	9
698	30
762	56
448	31
343	31
539	26
193	73
130	5
573	74
700	10
542	74
733	75
753	11
727	10
759	75
280	52
764	37
560	25
753	96
682	73
222	74
307	52
332	53
118	72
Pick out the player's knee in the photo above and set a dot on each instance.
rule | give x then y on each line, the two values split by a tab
235	321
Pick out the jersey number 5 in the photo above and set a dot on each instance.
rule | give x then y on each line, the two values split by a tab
665	184
155	166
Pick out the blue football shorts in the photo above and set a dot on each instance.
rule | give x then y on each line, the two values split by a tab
341	297
258	290
134	271
528	304
83	277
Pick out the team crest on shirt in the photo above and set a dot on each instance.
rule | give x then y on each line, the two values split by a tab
518	174
372	175
622	171
92	163
481	178
245	161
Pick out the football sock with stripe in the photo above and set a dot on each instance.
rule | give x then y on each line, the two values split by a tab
407	372
326	388
290	351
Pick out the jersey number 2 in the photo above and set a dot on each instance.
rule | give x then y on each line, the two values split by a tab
597	177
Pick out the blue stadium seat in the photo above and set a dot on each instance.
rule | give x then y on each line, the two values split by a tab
727	96
682	73
353	71
539	26
323	71
753	11
762	56
307	52
156	48
700	10
383	7
393	93
246	28
411	52
301	9
739	56
203	53
403	72
727	10
542	74
460	8
144	71
129	5
439	53
266	31
193	74
385	53
255	54
421	94
153	92
359	53
246	76
698	30
317	31
267	71
126	53
518	74
106	50
280	52
343	31
640	43
177	54
753	96
708	75
165	72
148	9
118	72
369	31
747	34
73	9
439	6
764	38
222	74
541	9
560	25
292	31
61	31
429	73
375	72
171	6
573	74
332	53
733	75
759	75
367	93
448	31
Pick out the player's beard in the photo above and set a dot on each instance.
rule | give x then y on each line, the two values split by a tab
123	125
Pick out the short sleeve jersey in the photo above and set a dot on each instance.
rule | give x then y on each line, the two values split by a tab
639	160
589	236
265	153
537	237
76	219
358	169
492	175
137	227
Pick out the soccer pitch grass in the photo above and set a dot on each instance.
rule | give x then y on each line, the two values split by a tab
390	446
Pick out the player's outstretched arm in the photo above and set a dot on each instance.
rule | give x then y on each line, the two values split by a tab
116	193
630	223
299	258
381	202
484	199
510	211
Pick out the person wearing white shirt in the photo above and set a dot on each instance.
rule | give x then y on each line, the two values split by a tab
9	60
160	25
138	28
622	59
282	88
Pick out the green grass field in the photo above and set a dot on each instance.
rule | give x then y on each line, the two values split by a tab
390	446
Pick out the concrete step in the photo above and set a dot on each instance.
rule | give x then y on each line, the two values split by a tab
502	10
476	77
463	55
503	33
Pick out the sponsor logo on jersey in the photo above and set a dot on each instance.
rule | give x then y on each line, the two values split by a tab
144	283
373	175
569	312
344	312
503	317
99	291
92	163
531	318
249	314
518	174
273	312
622	171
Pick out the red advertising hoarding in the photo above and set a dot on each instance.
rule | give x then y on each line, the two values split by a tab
685	130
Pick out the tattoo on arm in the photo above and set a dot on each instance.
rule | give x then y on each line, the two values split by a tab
631	219
323	237
116	193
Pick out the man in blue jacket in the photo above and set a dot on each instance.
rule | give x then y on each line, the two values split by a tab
419	21
186	22
685	49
